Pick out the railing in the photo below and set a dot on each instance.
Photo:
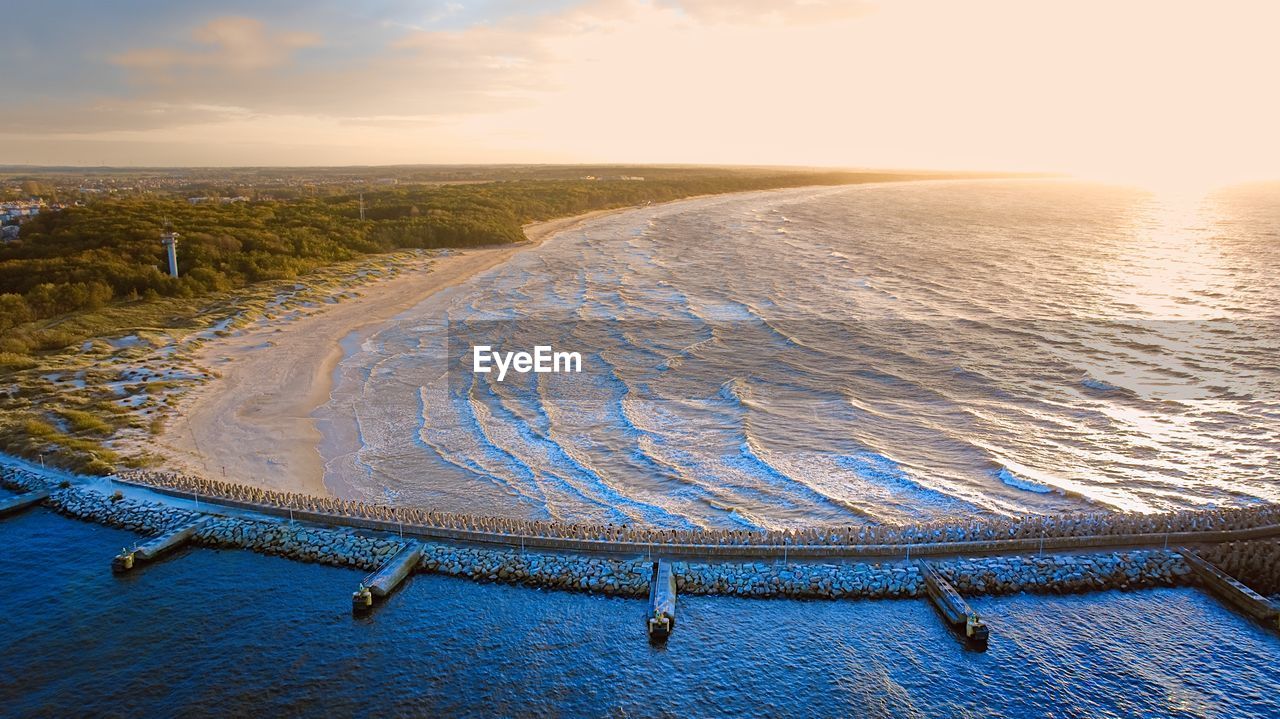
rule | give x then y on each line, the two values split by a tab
714	550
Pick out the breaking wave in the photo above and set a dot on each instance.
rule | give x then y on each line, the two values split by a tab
846	355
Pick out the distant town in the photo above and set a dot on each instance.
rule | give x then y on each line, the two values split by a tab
26	192
15	212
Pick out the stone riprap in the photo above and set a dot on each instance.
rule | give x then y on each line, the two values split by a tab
1066	573
321	545
1060	529
136	516
617	577
625	577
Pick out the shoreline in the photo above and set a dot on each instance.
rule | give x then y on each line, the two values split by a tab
254	420
257	421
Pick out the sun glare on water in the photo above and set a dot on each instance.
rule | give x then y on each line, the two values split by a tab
1178	180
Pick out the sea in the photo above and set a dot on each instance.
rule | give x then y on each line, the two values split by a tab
231	633
891	352
875	353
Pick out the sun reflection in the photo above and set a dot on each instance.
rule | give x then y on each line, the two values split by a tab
1172	184
1170	267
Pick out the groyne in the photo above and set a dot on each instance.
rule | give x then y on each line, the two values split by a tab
13	505
1234	593
389	576
661	618
953	608
1254	563
156	548
622	576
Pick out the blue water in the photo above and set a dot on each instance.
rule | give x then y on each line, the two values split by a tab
230	632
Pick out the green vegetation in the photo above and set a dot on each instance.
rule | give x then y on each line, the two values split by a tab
86	423
12	361
86	258
99	271
26	435
95	407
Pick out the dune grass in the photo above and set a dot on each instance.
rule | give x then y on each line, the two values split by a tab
79	405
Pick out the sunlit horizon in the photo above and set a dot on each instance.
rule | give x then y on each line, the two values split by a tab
1166	96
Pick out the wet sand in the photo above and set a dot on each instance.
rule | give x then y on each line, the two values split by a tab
253	424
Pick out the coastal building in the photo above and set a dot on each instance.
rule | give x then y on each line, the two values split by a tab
14	213
22	209
170	241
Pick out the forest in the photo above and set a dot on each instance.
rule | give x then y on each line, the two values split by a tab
108	250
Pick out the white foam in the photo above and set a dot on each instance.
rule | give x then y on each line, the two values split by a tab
1013	480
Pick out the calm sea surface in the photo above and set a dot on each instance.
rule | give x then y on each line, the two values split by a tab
230	632
885	352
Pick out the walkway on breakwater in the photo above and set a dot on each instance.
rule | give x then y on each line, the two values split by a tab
1232	591
16	504
156	548
382	583
746	550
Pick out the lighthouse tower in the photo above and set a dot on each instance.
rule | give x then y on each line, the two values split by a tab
170	241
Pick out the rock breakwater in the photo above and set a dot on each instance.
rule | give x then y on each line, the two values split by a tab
626	577
1064	529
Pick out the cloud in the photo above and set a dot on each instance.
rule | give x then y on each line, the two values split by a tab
992	83
226	44
239	68
108	114
377	73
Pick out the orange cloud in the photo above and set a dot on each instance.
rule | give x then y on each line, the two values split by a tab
228	43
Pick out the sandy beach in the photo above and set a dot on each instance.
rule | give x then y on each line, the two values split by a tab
253	423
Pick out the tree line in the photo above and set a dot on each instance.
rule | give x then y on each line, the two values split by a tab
109	250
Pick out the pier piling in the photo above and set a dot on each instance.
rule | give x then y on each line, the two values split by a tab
954	609
156	548
13	505
383	582
1232	591
661	620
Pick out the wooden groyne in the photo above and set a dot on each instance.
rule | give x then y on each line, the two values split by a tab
380	584
16	504
955	611
156	548
661	619
1231	591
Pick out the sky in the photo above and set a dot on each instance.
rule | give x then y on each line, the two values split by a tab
1157	90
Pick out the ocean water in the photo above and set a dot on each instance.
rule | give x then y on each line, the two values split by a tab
888	352
217	633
